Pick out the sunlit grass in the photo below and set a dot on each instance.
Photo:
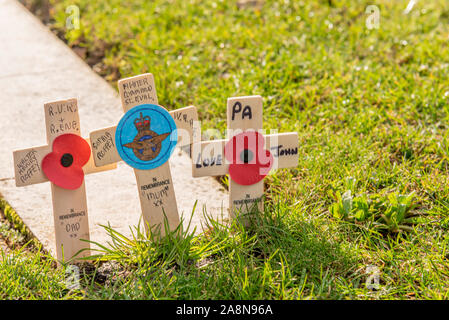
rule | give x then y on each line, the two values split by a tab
370	108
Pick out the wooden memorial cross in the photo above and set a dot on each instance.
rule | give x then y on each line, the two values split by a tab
63	161
247	155
139	140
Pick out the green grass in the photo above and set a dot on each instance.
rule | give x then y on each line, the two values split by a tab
371	111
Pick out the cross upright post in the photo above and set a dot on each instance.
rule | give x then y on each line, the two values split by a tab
246	155
63	161
139	139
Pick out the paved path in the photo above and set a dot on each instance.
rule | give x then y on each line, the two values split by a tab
36	67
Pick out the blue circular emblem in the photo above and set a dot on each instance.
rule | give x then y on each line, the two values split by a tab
146	136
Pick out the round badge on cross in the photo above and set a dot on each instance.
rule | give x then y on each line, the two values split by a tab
146	136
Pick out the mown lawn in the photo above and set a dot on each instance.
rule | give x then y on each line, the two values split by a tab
371	110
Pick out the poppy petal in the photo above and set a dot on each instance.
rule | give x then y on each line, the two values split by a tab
250	162
65	177
64	165
74	145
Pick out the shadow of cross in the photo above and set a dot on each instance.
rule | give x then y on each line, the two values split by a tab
44	163
244	154
155	186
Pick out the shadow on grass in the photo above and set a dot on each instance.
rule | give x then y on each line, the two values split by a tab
270	256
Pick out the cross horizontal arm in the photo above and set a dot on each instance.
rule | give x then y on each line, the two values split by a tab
27	165
284	148
208	159
90	166
186	120
104	148
28	170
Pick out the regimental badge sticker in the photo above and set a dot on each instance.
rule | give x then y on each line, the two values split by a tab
146	136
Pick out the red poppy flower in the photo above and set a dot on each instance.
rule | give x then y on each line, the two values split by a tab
64	165
250	162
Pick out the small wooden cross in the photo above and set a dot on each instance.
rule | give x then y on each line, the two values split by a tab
156	192
44	163
215	157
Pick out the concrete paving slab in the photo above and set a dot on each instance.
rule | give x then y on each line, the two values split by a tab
36	67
